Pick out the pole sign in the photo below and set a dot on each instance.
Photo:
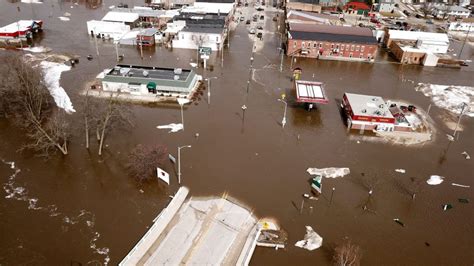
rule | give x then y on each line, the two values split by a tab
205	50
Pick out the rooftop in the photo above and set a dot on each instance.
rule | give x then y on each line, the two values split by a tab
416	35
121	16
310	91
315	36
332	29
149	72
366	105
21	25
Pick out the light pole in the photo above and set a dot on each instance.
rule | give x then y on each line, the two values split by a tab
209	89
459	119
281	59
182	102
283	121
179	161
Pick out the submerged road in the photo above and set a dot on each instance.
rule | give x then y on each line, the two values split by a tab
85	209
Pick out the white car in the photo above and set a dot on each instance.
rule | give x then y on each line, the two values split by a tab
252	31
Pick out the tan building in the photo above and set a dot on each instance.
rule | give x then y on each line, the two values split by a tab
303	7
406	52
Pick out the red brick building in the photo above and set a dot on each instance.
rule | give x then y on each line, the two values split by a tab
331	42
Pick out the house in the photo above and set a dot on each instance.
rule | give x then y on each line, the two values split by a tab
366	112
465	25
142	81
359	8
148	16
200	31
331	42
22	29
432	42
407	52
446	11
216	7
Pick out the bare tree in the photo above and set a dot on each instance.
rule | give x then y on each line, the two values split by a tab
112	113
347	254
26	100
426	8
90	107
143	160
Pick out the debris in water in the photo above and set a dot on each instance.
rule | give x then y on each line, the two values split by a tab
435	180
447	207
466	155
89	57
311	240
463	200
459	185
450	137
399	222
400	171
173	127
196	135
64	18
427	244
331	172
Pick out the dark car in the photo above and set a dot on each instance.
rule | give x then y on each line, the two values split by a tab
260	8
254	19
259	35
246	4
259	27
262	17
247	22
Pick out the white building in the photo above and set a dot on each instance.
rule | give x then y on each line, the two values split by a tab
437	43
128	18
386	6
451	11
194	37
465	25
113	30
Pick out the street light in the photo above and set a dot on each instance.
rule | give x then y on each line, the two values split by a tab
179	161
182	102
283	121
209	89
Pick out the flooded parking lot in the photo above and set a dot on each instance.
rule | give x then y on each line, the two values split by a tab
84	209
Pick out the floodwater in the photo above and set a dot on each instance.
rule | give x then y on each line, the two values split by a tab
82	209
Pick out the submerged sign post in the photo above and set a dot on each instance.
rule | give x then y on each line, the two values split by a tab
204	52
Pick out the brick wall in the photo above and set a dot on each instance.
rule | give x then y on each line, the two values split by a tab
345	51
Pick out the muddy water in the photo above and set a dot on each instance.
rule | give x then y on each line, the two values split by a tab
84	209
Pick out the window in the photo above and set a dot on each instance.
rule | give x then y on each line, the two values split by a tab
352	47
182	36
332	45
342	47
217	38
302	44
320	45
357	48
192	37
350	55
362	48
314	45
294	44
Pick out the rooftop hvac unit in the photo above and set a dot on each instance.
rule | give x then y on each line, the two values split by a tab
176	77
364	111
124	71
178	71
145	73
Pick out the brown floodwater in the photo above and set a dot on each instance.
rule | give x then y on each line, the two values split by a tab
84	209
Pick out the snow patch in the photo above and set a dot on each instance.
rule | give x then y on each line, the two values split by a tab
64	18
450	97
435	180
37	49
402	171
52	74
311	240
32	1
331	172
173	127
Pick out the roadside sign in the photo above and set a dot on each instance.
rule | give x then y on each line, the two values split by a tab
205	50
204	56
172	159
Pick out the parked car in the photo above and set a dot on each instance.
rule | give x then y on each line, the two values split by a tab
275	18
259	35
259	27
242	18
262	17
247	22
260	8
252	31
246	4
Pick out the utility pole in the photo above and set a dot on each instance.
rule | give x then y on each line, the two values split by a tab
459	119
465	39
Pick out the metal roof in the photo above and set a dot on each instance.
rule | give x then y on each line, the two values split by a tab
367	105
121	16
315	36
333	29
310	91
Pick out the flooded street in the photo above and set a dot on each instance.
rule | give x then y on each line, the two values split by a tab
83	209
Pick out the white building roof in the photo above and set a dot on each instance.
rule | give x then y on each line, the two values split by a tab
367	105
214	8
21	25
310	91
120	17
417	35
